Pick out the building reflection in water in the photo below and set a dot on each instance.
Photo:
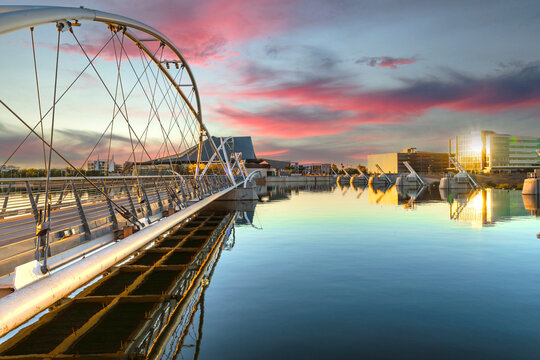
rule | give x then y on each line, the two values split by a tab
487	206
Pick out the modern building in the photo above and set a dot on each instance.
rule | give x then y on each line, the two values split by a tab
316	169
487	151
236	144
268	167
100	165
421	161
96	165
8	168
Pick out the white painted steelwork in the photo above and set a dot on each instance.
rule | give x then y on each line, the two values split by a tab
13	18
23	304
414	173
383	174
462	170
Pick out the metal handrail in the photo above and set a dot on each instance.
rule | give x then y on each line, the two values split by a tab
17	223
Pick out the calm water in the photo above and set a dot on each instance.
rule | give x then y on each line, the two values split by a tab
346	274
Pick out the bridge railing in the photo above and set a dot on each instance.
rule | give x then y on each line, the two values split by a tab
83	211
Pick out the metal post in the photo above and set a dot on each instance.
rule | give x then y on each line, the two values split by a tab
4	207
61	197
196	188
158	197
32	201
148	207
189	190
209	188
180	190
109	205
214	184
129	198
86	227
202	185
185	191
228	170
170	194
37	195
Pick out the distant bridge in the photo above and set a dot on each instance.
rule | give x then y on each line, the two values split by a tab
96	83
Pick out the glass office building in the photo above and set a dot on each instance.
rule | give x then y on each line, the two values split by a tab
487	151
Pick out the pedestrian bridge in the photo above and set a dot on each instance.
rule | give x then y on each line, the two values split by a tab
99	84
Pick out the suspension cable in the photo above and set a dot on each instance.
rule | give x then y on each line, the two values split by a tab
121	210
48	111
114	116
48	168
109	93
118	65
38	95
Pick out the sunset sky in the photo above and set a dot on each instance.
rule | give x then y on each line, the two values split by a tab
336	80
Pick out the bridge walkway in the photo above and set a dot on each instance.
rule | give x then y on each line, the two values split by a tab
70	228
123	313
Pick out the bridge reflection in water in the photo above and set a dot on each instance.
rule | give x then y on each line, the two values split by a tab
144	307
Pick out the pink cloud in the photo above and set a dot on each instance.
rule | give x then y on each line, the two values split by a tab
272	153
203	31
487	95
330	106
386	61
394	63
277	123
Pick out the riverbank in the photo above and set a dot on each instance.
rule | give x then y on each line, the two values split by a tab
496	181
277	180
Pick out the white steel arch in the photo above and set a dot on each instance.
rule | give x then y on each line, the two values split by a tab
13	18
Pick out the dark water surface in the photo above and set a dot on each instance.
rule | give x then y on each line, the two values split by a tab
352	273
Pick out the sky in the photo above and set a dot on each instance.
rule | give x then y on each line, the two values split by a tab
333	81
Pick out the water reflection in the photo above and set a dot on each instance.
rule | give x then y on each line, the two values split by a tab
408	196
395	280
531	204
184	338
145	306
486	206
268	193
478	207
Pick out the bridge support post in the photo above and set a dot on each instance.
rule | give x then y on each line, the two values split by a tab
147	202
180	195
171	196
32	201
109	205
61	197
4	207
129	198
213	184
247	193
158	197
195	189
205	186
82	216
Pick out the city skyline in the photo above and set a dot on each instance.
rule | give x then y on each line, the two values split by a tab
326	81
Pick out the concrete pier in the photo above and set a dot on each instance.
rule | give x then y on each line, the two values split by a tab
531	185
240	194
